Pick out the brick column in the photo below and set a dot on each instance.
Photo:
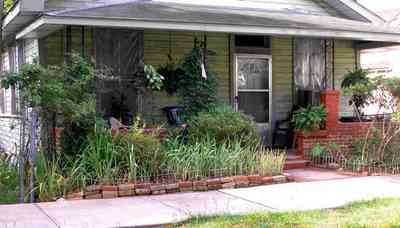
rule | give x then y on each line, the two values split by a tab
331	100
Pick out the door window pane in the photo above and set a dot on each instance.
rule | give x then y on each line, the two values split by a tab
253	73
255	104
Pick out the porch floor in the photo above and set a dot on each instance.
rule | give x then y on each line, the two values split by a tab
167	209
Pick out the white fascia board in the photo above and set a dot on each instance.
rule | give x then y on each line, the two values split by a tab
363	11
223	28
15	11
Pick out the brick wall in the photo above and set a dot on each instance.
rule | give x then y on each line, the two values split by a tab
342	134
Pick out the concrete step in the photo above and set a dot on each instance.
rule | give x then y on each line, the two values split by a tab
296	164
292	157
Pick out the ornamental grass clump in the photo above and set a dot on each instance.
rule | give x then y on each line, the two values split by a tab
272	162
208	157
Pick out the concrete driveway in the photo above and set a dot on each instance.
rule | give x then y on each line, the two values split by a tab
164	209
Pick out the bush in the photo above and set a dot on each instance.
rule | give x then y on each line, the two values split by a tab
223	124
8	183
195	92
146	149
107	158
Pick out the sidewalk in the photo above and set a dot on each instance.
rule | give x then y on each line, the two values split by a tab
165	209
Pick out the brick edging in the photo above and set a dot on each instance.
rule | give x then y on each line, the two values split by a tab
140	189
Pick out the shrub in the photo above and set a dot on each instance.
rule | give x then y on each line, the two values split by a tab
195	92
359	87
272	162
146	149
310	118
223	124
8	183
107	158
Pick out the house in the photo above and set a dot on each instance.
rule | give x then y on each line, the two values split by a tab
383	60
269	55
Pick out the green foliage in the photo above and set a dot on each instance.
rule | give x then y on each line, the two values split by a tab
8	183
199	159
7	5
107	158
49	179
318	151
195	92
359	87
272	162
173	75
310	118
154	79
39	86
222	124
68	90
393	86
146	149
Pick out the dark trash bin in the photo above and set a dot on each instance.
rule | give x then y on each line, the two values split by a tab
173	114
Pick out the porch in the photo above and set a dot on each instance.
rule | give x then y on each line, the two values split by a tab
267	62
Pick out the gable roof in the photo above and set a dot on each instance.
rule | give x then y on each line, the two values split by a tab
391	16
143	14
355	11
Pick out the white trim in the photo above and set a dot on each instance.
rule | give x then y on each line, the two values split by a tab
15	11
30	31
365	12
268	91
253	90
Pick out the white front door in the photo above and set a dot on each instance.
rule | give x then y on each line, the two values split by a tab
253	88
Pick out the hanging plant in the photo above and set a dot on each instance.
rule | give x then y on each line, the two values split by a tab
173	74
154	79
197	88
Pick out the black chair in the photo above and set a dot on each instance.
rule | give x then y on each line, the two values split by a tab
283	136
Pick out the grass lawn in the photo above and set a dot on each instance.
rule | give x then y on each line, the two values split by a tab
375	213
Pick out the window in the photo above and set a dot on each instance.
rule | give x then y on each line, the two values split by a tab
252	41
253	77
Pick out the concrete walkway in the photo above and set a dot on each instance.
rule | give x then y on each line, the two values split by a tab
164	209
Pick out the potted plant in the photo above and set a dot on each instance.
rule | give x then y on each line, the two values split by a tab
309	119
359	88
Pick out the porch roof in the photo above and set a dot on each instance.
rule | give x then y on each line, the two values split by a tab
177	16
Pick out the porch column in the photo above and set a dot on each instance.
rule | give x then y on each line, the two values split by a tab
331	100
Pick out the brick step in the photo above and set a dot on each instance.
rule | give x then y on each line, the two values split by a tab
296	164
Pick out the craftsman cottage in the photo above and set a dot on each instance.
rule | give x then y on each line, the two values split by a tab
269	55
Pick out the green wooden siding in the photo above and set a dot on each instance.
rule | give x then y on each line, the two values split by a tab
282	77
344	61
159	44
52	47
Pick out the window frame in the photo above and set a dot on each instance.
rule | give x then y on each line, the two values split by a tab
267	91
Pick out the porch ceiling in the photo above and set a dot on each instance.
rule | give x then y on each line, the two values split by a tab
176	16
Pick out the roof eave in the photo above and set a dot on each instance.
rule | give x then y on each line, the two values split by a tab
46	24
22	13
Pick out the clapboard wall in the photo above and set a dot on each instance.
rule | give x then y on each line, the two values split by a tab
158	45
